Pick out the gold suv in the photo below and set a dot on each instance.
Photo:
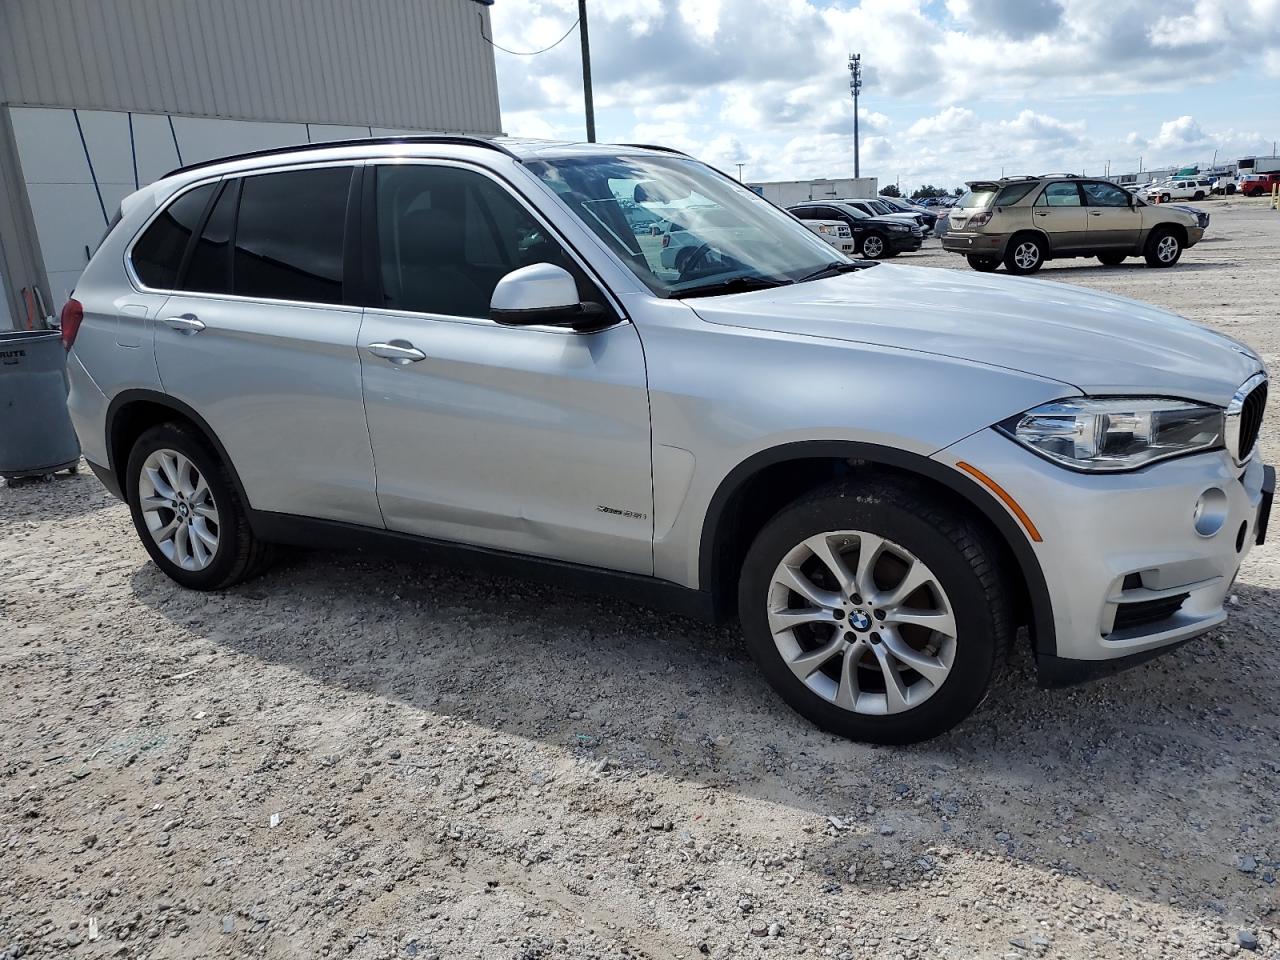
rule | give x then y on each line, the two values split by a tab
1024	221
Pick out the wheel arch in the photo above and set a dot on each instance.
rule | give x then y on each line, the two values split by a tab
753	492
133	411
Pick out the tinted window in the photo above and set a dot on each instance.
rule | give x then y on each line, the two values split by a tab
1060	195
1014	192
447	236
209	269
289	235
1105	195
158	253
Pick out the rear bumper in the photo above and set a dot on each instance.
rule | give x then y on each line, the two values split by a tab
976	244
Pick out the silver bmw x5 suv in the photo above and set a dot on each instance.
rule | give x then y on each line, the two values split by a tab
465	346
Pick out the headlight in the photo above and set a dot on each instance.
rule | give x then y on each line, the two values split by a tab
897	226
1116	434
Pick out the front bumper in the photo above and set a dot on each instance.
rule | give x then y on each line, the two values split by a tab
905	242
1128	576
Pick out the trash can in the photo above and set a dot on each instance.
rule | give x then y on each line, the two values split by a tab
36	436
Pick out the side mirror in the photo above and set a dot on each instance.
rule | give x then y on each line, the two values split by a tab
542	294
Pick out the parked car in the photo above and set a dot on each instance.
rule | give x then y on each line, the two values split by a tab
689	230
456	344
1258	184
836	233
1026	221
1176	190
877	237
874	208
928	218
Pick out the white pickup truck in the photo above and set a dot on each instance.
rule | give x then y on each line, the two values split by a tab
1188	188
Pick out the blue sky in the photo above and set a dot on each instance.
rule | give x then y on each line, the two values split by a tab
953	89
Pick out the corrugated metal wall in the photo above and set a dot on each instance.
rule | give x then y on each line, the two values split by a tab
418	64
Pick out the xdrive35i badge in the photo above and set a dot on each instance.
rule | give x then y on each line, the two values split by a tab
629	514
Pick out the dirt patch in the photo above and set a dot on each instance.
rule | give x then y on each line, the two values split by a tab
360	757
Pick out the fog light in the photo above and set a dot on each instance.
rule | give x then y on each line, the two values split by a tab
1211	512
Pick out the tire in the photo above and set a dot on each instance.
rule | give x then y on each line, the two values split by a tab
982	264
1198	195
1025	254
1164	198
205	497
1163	249
1111	259
874	246
917	533
1231	189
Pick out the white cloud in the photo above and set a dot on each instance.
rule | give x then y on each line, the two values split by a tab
952	90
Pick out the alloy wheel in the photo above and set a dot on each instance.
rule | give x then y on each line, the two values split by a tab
862	622
1167	249
1026	255
178	509
872	247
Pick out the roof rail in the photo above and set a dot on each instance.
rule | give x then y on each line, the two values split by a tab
1064	176
652	146
445	138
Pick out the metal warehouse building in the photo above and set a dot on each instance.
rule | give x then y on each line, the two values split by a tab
99	97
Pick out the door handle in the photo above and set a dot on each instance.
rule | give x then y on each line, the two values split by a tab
188	323
1042	213
1095	213
397	351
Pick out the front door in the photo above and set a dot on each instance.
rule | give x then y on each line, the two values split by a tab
533	440
1059	212
258	341
1114	222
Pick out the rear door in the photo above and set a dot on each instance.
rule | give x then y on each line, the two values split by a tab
1059	212
258	340
1114	222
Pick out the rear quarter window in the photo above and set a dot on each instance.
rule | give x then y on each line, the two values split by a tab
157	254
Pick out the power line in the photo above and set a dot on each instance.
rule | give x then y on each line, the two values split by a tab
529	53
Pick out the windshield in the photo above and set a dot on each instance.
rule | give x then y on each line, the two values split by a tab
715	231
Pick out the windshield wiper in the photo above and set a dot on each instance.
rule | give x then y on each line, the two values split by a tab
731	285
835	268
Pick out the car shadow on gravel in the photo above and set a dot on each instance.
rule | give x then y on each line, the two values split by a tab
1101	779
61	497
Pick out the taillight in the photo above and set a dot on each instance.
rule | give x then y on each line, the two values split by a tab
666	240
72	316
980	219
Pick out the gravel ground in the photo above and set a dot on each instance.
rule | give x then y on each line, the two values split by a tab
361	757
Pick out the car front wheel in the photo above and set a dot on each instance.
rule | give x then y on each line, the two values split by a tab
1025	254
187	511
875	611
1164	248
873	246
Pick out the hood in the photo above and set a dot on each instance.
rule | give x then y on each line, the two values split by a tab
1098	343
880	220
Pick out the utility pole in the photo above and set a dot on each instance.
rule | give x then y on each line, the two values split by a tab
855	88
739	166
586	71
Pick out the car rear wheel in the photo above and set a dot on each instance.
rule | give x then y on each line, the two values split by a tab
874	246
1164	248
1025	254
982	264
1111	259
875	611
187	512
1165	198
1199	195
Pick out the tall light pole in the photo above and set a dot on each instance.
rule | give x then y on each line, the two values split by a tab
855	88
586	71
740	166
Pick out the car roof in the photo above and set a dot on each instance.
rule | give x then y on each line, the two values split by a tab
434	145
